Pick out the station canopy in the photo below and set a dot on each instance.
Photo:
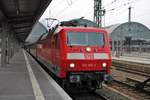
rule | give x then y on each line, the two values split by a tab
21	15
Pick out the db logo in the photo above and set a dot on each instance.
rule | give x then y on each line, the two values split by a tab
88	56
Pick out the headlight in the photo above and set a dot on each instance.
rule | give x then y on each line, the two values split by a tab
104	65
72	65
88	49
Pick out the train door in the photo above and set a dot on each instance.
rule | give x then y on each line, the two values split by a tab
52	49
56	49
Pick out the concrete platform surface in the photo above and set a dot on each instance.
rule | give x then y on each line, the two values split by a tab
133	59
24	79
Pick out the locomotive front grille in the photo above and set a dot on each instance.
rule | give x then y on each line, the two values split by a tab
86	76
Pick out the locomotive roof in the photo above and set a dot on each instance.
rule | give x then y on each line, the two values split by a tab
79	22
74	24
59	28
41	28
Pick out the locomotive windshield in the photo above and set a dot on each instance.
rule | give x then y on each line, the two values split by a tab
85	39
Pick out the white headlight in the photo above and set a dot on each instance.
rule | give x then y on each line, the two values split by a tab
72	65
88	49
104	64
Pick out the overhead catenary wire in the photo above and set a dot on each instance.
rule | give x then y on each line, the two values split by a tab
116	12
116	9
135	17
112	2
125	4
58	4
87	11
117	16
119	7
63	10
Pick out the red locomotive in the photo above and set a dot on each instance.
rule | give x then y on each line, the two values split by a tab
76	54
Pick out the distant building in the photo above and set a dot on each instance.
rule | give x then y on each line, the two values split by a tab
129	36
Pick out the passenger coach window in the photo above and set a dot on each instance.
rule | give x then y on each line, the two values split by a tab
85	38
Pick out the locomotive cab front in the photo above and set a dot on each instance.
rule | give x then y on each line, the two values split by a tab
86	55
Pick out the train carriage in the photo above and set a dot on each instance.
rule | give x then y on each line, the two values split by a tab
76	54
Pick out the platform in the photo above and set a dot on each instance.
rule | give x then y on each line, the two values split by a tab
133	59
24	79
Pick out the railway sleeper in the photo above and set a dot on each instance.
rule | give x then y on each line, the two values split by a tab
141	85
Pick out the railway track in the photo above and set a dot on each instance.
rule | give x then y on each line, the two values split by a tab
136	69
139	86
132	71
87	96
133	85
131	67
129	87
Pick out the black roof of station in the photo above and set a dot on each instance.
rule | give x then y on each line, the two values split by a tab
21	15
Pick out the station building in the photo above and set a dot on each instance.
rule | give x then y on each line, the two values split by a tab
129	37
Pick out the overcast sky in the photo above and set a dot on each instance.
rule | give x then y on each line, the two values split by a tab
116	10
